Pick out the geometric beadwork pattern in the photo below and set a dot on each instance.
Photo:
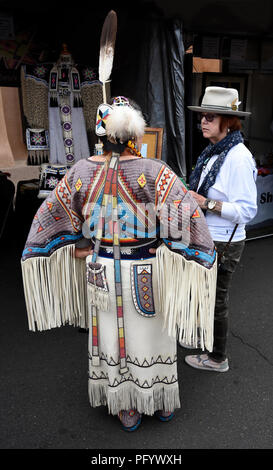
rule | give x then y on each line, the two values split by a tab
144	363
196	214
142	288
163	184
124	379
78	184
63	194
141	180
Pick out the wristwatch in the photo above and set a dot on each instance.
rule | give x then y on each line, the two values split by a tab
210	204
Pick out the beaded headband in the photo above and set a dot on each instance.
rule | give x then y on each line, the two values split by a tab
104	111
121	101
124	125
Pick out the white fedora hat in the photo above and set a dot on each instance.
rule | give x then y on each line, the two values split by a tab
220	100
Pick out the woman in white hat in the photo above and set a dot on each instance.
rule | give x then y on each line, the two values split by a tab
223	184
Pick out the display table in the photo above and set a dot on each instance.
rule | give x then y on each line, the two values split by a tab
13	150
21	171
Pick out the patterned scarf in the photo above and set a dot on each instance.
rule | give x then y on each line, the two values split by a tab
221	149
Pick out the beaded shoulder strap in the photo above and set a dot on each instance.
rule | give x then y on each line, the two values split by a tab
106	199
110	194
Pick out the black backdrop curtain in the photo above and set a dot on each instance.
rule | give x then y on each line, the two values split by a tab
150	70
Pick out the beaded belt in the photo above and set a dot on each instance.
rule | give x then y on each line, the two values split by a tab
141	252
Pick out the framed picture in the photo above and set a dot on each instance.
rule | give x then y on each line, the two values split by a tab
152	142
228	81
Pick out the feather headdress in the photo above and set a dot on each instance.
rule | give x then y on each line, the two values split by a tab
107	48
124	123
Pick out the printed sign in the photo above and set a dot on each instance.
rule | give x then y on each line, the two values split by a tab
265	201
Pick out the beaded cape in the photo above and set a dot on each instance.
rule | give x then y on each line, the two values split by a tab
55	281
170	296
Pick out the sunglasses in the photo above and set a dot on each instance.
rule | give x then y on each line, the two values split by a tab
208	116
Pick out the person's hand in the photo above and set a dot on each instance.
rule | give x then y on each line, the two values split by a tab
152	250
83	252
199	199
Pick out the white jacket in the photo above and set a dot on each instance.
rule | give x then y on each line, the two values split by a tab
235	185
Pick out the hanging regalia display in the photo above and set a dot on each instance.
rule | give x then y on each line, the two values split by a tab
37	145
50	176
65	79
67	127
34	87
59	103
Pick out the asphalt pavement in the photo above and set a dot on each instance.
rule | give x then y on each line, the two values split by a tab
43	386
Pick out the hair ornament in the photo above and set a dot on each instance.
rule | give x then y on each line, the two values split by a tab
133	148
121	101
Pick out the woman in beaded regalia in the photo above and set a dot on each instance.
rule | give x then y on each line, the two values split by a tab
143	277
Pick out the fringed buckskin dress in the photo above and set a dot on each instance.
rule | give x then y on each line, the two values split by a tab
144	305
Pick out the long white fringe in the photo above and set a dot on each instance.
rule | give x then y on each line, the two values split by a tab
127	396
55	290
186	298
97	297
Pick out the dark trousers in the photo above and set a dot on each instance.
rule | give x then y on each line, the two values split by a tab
221	312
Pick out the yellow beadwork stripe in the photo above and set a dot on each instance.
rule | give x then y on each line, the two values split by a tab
121	332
